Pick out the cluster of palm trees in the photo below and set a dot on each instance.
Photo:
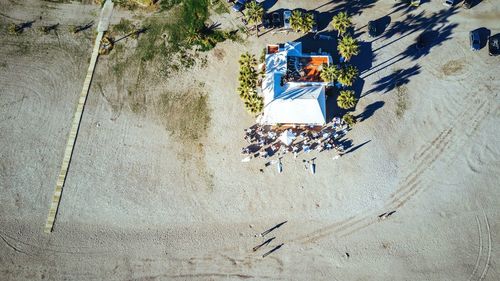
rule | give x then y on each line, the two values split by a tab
345	73
347	46
301	22
247	89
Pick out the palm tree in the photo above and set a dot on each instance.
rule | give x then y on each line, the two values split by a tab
193	35
248	78
341	22
245	92
349	119
296	20
346	99
253	14
347	74
254	104
15	29
247	59
307	22
348	47
329	73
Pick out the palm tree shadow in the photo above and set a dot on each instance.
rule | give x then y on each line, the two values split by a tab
370	110
332	109
27	24
268	4
398	77
364	60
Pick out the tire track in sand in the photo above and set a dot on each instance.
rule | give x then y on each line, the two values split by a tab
484	249
487	264
411	185
480	250
407	187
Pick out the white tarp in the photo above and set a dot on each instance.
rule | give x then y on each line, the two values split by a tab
287	137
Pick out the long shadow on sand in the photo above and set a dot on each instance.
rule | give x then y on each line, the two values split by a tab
441	31
370	110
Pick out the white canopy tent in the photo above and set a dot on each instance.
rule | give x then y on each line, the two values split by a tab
287	137
291	102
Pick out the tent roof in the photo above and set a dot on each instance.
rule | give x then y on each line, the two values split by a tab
298	105
293	102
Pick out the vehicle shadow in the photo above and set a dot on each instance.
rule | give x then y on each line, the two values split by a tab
381	25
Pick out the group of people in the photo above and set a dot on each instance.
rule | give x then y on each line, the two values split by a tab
265	142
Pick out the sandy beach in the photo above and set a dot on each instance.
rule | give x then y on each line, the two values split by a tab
156	189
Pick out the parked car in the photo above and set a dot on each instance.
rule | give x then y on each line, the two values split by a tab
494	45
286	19
266	21
372	29
420	41
475	40
449	3
276	18
314	28
239	5
467	4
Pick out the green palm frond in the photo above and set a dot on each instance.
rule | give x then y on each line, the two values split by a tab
296	20
347	75
346	99
329	73
348	47
349	119
341	22
254	13
307	22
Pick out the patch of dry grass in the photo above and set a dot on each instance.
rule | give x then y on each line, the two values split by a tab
401	100
186	115
452	67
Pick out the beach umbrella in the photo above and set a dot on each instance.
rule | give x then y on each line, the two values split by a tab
312	167
279	166
247	159
287	137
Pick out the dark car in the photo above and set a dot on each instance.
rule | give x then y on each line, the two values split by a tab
372	29
266	21
239	5
494	45
475	40
420	41
276	19
468	4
